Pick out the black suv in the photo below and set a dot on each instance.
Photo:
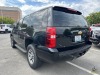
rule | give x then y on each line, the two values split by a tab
51	34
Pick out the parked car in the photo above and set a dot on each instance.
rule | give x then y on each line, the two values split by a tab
95	34
51	34
5	28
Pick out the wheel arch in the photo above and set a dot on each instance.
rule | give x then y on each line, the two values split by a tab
11	35
28	41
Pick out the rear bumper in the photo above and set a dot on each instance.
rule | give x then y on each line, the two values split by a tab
50	57
2	30
94	40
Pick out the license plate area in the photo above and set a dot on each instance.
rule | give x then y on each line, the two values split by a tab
78	38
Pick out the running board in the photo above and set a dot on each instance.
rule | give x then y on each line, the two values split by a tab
21	49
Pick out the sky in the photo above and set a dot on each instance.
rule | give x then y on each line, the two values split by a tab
29	6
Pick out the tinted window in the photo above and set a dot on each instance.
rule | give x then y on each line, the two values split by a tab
44	18
35	21
39	18
27	25
61	18
49	16
26	22
9	26
18	24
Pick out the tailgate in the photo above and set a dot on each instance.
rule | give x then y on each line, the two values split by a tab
70	37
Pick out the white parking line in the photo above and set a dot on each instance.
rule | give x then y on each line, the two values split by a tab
86	70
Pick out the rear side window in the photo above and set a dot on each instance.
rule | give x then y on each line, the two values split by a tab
40	18
26	22
68	18
18	24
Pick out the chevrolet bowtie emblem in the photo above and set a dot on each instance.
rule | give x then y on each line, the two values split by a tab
80	32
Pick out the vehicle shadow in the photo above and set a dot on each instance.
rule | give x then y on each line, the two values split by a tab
96	46
21	53
58	68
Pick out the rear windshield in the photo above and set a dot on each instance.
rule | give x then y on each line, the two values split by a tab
61	18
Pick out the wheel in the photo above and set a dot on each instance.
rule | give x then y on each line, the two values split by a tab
6	31
97	43
32	57
13	43
9	31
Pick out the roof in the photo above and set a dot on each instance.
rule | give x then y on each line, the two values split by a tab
51	6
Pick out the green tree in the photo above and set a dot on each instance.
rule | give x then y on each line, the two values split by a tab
6	20
93	18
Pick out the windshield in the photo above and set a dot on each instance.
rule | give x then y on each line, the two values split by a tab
61	18
10	25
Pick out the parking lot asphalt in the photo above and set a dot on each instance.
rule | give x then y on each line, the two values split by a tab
14	62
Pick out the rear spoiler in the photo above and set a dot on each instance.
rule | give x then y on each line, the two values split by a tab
67	10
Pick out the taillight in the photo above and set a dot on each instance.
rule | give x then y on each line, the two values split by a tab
90	29
51	37
90	32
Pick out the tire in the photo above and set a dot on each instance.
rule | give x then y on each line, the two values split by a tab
13	43
96	43
32	57
6	31
9	31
